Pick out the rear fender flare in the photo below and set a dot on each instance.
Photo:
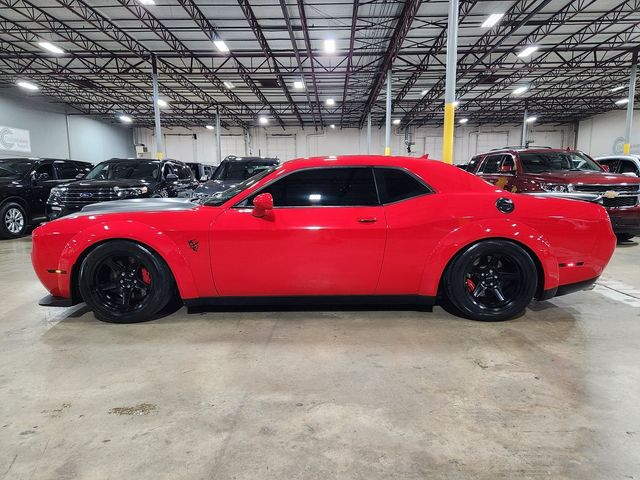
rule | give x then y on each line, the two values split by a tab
458	240
136	232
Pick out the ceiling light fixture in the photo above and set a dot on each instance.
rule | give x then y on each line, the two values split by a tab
221	46
527	51
531	119
396	121
329	45
162	103
456	103
209	127
298	85
463	120
27	85
520	90
332	126
263	120
51	47
147	2
229	84
616	89
424	92
622	101
125	118
330	102
492	20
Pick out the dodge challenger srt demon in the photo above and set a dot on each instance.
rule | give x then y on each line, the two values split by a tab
347	229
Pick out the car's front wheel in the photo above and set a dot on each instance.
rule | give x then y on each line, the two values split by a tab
125	282
492	280
13	220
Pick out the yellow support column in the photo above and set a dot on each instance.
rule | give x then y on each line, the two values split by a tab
447	142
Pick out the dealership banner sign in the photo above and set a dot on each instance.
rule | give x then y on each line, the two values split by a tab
15	140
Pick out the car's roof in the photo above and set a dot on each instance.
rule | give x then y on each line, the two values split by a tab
530	150
143	160
233	158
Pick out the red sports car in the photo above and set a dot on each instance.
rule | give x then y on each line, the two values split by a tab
348	229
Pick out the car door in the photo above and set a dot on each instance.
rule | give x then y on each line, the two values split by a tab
490	168
325	236
43	179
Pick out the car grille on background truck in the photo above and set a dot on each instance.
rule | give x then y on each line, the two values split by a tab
79	198
628	194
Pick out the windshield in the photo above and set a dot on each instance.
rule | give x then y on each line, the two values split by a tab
219	198
538	162
15	168
239	171
134	170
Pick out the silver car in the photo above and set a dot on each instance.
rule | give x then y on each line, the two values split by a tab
624	164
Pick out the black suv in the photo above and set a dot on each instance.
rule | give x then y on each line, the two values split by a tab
233	170
25	184
122	178
202	171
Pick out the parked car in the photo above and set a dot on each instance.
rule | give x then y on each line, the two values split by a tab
25	184
537	169
121	178
623	164
233	170
344	229
201	171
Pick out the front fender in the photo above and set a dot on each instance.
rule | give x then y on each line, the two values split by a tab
138	232
471	233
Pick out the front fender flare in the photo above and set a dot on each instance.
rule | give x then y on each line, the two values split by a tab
142	233
459	239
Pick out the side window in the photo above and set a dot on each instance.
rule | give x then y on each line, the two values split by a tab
184	172
324	187
167	170
491	164
67	170
508	164
473	163
44	172
627	166
611	163
395	185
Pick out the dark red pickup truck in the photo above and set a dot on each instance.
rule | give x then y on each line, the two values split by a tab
527	170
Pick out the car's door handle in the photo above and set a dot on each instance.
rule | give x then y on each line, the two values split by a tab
367	220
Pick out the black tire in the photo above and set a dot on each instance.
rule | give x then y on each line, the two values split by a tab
493	280
624	237
13	220
125	282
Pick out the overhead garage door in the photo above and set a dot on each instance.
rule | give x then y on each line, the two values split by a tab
485	141
281	146
547	138
232	145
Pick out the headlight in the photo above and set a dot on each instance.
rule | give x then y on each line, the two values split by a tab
553	187
55	196
130	191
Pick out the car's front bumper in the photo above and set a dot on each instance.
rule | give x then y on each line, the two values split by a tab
625	220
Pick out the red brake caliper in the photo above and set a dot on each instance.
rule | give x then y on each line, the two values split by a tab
470	285
146	277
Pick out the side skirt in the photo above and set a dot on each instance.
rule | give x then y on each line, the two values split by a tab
395	301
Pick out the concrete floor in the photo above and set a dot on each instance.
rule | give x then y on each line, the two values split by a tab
321	395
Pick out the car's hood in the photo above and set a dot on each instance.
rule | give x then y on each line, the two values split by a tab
122	183
139	205
582	177
215	186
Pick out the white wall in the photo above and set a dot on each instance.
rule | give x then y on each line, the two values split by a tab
56	134
604	134
291	143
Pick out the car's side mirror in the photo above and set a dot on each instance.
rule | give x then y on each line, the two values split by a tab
204	178
606	168
172	177
262	203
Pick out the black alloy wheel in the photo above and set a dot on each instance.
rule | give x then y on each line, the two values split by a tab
492	280
125	282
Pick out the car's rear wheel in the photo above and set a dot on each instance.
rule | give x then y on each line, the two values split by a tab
13	220
492	280
125	282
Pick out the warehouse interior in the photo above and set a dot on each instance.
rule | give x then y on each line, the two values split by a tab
310	390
